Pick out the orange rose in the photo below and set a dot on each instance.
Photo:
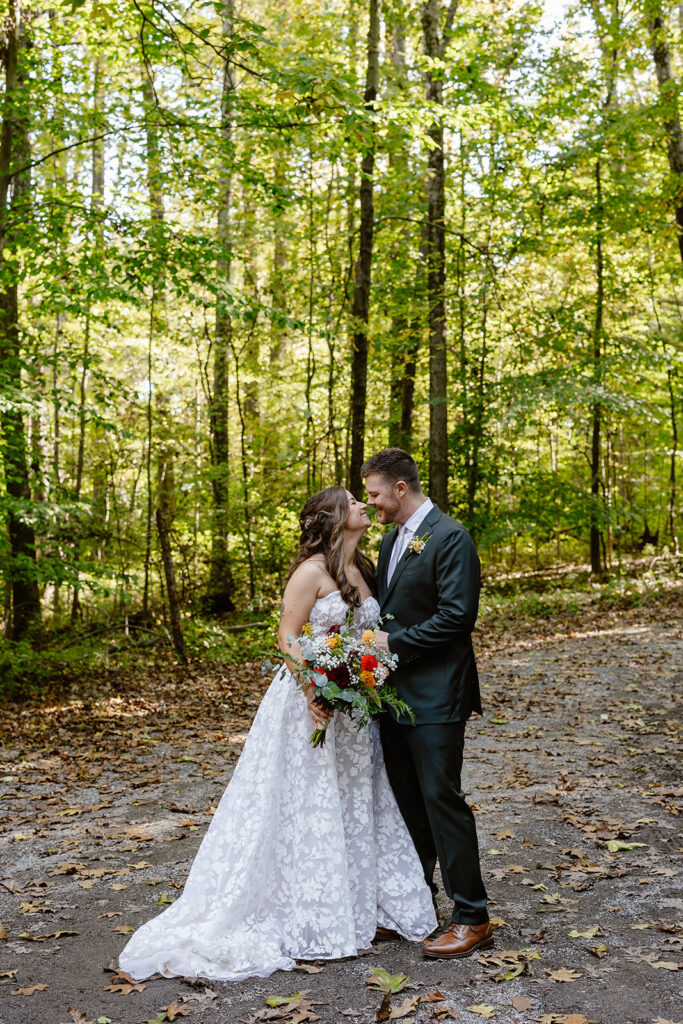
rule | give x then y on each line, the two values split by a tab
368	637
367	678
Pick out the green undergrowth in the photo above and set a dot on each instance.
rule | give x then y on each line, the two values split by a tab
114	652
571	590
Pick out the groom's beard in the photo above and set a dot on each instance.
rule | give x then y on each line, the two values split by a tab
387	512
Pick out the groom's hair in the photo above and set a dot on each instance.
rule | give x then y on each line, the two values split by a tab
393	464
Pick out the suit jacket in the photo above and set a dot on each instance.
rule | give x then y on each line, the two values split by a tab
432	603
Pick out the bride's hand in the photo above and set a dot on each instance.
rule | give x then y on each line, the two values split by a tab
319	715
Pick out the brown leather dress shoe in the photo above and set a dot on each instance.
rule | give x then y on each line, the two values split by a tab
386	935
459	940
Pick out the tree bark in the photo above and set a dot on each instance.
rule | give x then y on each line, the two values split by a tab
14	151
596	414
406	327
434	45
363	275
171	587
672	121
218	598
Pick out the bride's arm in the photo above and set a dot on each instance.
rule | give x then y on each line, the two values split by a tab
297	601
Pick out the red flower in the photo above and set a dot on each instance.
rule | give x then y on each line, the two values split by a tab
333	629
368	662
339	674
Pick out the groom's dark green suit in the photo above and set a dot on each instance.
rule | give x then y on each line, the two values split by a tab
431	602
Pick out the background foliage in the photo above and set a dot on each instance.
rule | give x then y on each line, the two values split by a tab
181	185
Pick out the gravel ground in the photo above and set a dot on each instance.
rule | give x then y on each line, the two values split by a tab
572	772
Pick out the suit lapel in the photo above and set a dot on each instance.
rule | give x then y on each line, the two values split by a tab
429	520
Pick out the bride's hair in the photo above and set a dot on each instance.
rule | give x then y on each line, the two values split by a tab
322	522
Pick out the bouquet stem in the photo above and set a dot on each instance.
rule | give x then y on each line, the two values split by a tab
317	738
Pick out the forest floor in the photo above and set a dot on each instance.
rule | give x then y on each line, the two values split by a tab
106	795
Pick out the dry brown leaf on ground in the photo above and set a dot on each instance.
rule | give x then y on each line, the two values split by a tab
432	997
29	991
483	1010
589	933
76	1017
124	988
409	1004
308	968
564	974
8	974
174	1010
565	1018
200	997
598	951
443	1013
661	1020
521	1003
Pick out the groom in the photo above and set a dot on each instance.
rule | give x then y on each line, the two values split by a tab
428	580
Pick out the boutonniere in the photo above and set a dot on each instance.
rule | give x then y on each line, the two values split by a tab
417	544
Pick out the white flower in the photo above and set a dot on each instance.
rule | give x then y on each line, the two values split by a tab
417	544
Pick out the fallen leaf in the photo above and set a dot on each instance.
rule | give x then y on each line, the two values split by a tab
409	1004
77	1017
308	968
483	1010
3	933
28	991
385	982
520	1003
124	988
174	1010
273	1001
590	933
46	935
8	974
598	951
666	965
433	997
124	929
564	974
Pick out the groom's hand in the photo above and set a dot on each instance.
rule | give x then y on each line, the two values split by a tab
382	640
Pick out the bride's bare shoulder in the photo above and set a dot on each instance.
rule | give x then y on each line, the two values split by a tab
312	576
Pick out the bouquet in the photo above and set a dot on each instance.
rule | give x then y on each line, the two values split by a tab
348	674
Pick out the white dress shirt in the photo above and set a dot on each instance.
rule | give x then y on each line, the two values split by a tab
406	532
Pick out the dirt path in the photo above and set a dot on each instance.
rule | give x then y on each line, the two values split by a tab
573	773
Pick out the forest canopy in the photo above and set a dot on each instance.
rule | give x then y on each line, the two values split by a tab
243	245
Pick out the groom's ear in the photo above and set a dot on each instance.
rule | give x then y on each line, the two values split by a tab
400	488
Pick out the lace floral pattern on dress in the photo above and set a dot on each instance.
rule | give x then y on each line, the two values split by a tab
306	854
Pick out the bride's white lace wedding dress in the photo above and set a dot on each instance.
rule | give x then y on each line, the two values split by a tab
306	854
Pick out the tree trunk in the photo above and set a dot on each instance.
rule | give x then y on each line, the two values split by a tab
171	588
218	597
596	414
672	122
436	265
405	328
14	151
361	290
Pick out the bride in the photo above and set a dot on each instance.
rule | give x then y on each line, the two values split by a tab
307	854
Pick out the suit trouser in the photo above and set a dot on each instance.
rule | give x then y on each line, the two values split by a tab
424	763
